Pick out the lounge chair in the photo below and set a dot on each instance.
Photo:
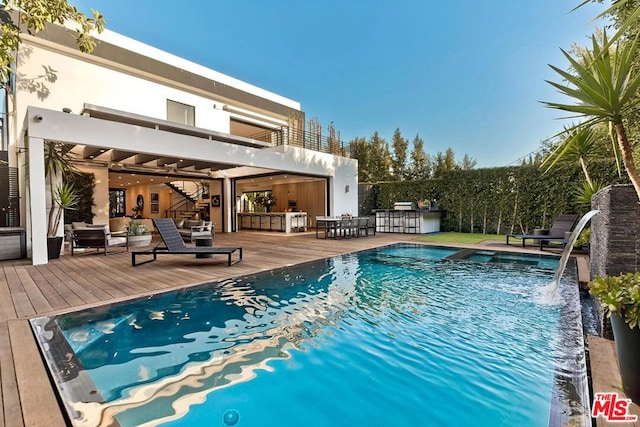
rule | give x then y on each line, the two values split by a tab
562	224
174	245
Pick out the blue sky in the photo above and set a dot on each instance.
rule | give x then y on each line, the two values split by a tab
464	74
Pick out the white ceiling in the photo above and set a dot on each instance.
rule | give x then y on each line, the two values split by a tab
128	179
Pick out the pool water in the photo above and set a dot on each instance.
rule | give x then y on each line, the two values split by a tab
402	335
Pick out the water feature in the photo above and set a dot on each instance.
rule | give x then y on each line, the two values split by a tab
550	292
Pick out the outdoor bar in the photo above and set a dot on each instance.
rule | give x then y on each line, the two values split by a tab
273	221
404	219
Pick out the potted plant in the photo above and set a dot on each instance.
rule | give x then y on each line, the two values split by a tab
620	299
58	164
138	234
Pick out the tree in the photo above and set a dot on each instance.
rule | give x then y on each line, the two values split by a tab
380	159
444	163
467	163
620	14
333	140
603	91
625	13
579	145
58	164
34	15
314	135
359	150
420	167
399	159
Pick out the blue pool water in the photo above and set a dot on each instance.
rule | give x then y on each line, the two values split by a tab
397	336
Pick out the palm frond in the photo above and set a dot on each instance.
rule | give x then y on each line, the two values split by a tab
602	83
586	192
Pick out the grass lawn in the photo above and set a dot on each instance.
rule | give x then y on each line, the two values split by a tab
453	237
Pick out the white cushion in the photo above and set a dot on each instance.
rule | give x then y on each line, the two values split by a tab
116	241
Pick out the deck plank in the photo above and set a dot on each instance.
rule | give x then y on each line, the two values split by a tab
19	296
49	291
37	397
7	309
12	409
67	294
36	296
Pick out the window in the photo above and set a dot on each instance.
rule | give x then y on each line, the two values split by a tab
181	113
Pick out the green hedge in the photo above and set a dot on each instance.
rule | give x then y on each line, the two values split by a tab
496	200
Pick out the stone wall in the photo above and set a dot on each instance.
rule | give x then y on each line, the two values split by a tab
615	237
615	232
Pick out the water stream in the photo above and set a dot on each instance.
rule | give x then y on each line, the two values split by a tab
549	293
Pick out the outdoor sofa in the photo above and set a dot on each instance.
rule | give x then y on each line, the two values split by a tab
97	237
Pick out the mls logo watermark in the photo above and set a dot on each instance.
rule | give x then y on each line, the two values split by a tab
612	408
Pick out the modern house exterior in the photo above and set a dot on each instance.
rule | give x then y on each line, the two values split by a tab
138	118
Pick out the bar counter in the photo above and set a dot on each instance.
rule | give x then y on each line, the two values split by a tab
410	221
289	222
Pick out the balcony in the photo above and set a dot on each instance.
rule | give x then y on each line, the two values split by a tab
309	140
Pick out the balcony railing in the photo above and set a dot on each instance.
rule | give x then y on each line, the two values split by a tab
304	139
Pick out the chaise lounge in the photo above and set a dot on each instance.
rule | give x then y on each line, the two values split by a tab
562	224
174	245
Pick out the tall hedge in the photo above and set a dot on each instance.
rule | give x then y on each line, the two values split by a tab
496	200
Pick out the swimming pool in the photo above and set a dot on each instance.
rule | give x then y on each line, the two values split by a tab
400	335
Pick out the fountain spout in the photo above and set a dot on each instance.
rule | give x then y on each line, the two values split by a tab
550	292
569	245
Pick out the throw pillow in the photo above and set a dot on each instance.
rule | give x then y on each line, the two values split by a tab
79	225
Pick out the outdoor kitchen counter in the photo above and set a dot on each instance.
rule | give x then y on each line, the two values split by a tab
411	221
289	222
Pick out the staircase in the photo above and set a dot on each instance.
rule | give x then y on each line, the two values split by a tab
190	203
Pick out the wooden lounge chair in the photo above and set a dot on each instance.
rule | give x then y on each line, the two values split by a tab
174	245
562	224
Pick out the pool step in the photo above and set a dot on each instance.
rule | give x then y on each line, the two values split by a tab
461	254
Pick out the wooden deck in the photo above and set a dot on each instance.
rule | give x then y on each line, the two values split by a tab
89	279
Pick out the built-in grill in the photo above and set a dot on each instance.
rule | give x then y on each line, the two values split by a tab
402	206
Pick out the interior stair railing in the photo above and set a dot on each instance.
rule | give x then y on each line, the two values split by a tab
190	202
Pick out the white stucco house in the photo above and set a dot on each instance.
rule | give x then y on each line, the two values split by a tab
137	117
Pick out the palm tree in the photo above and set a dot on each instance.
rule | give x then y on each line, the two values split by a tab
580	144
603	86
58	163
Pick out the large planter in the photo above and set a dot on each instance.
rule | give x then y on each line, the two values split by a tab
141	240
54	245
628	348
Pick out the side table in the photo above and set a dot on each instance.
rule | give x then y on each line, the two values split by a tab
204	242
